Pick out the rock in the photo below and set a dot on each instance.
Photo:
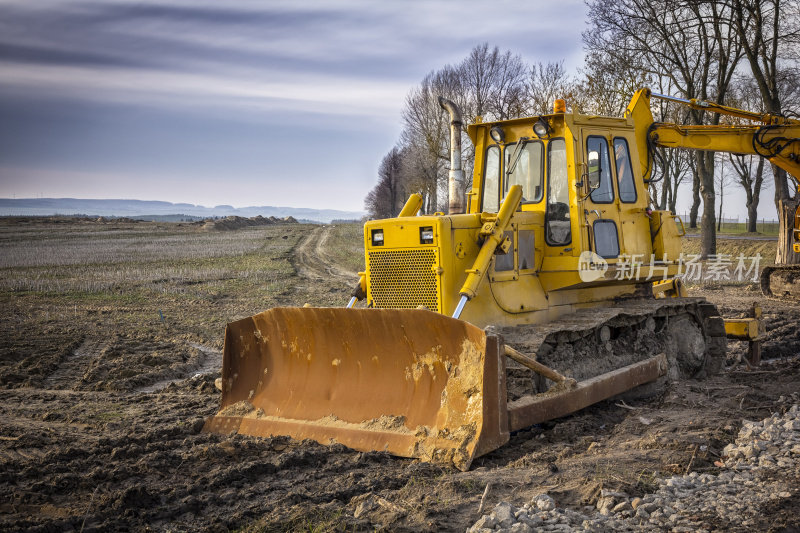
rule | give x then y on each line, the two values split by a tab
605	503
605	493
521	527
543	502
484	522
766	460
504	514
622	506
533	521
681	502
649	507
751	451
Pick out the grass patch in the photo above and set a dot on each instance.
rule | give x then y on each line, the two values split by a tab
346	246
734	247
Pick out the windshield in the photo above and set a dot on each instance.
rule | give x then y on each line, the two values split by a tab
527	171
604	194
491	181
557	221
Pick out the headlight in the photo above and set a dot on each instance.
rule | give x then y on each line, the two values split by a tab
426	235
497	134
377	237
541	128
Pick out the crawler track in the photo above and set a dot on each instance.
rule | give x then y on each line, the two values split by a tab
591	342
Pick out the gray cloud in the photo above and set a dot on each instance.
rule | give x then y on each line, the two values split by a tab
222	75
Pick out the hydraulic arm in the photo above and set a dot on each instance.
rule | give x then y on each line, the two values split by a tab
774	137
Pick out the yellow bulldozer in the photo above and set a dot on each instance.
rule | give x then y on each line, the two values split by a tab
552	287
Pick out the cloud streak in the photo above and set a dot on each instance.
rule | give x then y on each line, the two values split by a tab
77	75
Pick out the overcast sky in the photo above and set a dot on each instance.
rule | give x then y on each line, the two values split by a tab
237	102
286	103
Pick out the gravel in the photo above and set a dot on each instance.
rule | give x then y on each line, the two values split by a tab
695	502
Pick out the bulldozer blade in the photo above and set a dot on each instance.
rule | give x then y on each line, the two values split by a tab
411	382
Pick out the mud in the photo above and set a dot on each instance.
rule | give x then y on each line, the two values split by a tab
82	448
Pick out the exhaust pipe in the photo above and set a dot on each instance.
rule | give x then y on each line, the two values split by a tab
456	174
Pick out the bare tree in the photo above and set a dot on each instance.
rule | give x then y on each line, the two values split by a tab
674	166
750	175
608	83
488	83
422	173
770	31
722	181
675	169
425	132
691	44
493	84
546	82
749	170
387	197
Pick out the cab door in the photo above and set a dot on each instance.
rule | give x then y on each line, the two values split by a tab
632	199
601	208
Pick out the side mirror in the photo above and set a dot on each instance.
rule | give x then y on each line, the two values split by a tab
594	170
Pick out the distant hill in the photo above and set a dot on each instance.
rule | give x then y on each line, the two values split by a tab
159	210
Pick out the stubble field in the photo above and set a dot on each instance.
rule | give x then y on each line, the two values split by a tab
110	339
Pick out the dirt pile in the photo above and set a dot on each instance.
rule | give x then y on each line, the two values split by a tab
757	472
235	222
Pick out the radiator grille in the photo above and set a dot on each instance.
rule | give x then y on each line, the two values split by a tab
403	279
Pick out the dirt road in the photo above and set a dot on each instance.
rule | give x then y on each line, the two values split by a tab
313	261
90	442
317	273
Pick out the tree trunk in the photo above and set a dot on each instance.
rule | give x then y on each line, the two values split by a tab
752	218
654	195
754	196
705	171
664	189
787	209
673	196
695	201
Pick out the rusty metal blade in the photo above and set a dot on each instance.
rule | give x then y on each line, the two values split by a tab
411	382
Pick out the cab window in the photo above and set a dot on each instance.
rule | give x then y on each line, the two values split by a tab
604	194
491	181
557	224
625	182
527	171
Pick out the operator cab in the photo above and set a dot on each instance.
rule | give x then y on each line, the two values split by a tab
577	171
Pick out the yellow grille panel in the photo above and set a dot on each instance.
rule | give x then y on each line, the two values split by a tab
403	279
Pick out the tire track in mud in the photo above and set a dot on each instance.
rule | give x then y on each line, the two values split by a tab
313	262
73	367
320	280
211	364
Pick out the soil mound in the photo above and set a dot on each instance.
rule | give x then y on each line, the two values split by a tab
234	222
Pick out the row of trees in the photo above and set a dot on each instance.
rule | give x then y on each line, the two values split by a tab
742	53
